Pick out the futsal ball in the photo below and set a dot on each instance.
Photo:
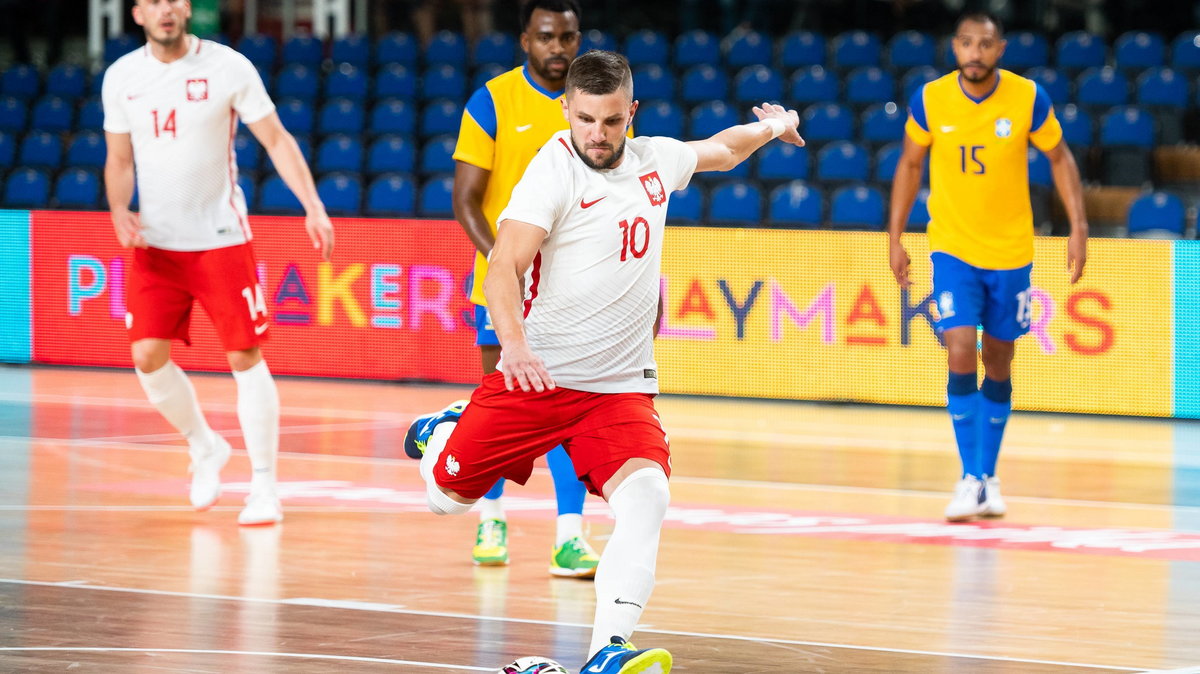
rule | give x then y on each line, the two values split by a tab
533	665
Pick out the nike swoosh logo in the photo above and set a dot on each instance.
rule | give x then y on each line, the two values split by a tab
947	129
259	329
130	97
618	601
521	129
589	204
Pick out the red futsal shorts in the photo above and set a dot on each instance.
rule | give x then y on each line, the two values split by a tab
501	433
164	283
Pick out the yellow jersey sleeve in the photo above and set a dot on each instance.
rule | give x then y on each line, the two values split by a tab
917	126
477	132
1046	133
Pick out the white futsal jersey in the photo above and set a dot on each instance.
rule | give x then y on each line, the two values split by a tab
182	117
591	294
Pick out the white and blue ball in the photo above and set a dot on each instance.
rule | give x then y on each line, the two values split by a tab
533	665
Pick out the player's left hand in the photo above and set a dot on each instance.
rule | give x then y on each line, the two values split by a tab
1076	256
790	119
320	230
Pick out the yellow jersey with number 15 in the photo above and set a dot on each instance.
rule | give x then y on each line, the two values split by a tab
978	165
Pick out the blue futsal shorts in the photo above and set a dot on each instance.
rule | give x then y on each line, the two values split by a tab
997	299
485	335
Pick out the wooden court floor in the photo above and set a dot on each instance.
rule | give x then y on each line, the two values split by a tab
801	538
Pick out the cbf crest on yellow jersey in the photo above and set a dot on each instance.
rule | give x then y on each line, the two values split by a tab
978	165
505	123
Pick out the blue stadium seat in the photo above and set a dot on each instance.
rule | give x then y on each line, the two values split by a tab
814	84
444	81
275	197
245	146
297	81
883	123
826	122
392	116
802	48
1162	86
391	194
396	48
41	149
14	115
797	204
249	191
395	81
119	45
53	114
260	49
870	85
77	188
1185	51
1138	50
67	80
27	188
97	84
21	81
346	81
439	117
1076	124
843	161
296	115
735	202
709	118
1126	137
341	193
910	49
948	60
354	49
8	150
686	206
341	115
1026	50
647	46
651	82
704	83
597	39
437	155
697	47
1157	215
918	216
391	154
437	197
1105	87
1039	168
484	73
304	49
659	118
856	48
751	48
857	207
755	84
783	161
495	48
1079	50
1127	126
447	47
91	115
339	153
915	79
1057	86
886	159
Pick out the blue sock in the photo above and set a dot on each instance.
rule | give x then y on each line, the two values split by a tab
496	491
962	401
567	487
995	404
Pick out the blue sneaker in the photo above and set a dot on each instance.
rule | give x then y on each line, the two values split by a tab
422	427
619	657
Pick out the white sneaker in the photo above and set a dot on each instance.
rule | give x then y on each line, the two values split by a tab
993	504
969	500
262	507
207	462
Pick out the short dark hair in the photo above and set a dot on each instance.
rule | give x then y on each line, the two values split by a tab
598	73
556	6
980	16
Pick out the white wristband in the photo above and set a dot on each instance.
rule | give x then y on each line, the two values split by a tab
776	126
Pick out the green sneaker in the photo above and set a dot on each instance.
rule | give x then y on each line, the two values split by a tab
574	559
491	543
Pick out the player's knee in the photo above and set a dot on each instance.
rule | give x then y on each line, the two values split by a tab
650	488
440	502
149	355
243	360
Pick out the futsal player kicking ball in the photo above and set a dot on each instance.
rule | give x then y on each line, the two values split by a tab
171	109
582	236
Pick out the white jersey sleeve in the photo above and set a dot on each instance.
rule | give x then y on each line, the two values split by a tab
541	196
250	99
678	161
115	120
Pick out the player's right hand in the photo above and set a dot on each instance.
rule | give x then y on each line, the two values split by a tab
128	227
523	368
899	260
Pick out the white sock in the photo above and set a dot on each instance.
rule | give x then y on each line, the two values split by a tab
625	576
568	527
492	509
258	414
433	449
171	393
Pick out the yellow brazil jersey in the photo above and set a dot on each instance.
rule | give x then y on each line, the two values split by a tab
978	165
506	122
